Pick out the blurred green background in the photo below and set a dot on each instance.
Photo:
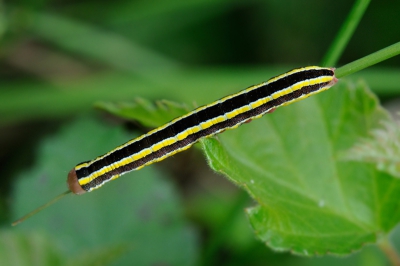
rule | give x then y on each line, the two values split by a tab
58	58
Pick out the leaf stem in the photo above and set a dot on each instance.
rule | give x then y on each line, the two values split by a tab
368	60
345	33
389	251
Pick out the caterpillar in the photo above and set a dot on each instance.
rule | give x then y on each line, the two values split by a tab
182	132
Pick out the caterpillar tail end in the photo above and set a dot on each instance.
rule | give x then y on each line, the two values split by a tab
73	183
335	79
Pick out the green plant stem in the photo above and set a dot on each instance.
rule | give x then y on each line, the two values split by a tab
345	33
368	60
389	251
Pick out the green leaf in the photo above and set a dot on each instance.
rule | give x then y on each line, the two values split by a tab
147	113
140	210
308	201
382	148
311	204
32	249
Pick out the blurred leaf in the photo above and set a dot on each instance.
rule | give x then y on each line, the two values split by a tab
3	21
93	42
102	256
222	212
384	81
381	148
160	11
310	203
35	249
147	113
31	249
140	211
155	20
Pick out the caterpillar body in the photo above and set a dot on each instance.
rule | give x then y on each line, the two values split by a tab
182	132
